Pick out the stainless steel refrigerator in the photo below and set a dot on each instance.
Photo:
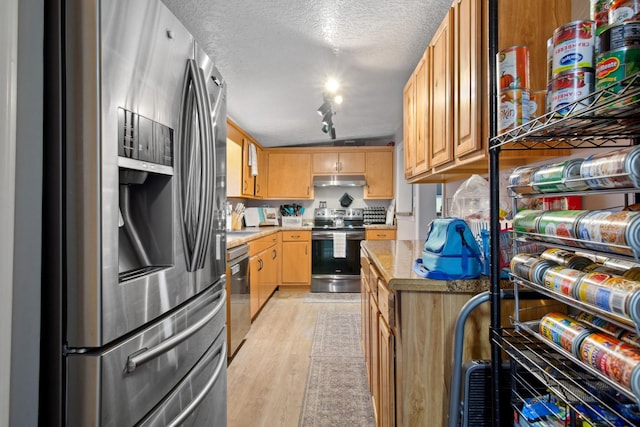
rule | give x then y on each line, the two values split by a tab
134	244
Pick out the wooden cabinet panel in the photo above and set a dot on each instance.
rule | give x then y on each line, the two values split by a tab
374	353
248	180
338	162
374	234
440	98
255	267
296	258
261	180
386	416
379	172
409	126
422	121
289	176
467	89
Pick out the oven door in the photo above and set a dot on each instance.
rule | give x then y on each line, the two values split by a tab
330	271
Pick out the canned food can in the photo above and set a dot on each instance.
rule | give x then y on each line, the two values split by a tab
573	46
616	65
632	273
614	169
620	264
610	231
599	12
562	279
558	177
564	331
599	268
514	109
560	226
624	10
530	267
513	68
617	36
591	290
526	221
630	338
565	258
520	180
600	324
537	104
570	86
615	359
549	60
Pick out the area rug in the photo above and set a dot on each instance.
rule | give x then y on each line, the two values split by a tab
337	334
337	392
332	297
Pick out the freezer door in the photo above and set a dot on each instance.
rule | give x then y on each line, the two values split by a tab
120	385
199	399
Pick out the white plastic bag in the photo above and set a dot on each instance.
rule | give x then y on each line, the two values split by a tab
471	199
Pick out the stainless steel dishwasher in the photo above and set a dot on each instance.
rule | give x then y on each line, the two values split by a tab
239	301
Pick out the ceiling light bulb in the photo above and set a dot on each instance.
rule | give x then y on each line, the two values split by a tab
338	99
332	85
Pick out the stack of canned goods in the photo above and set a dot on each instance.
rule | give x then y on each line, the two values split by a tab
602	230
573	64
617	42
513	85
613	169
604	351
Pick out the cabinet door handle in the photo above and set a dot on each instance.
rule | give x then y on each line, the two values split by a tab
275	254
337	168
244	187
296	236
257	188
261	264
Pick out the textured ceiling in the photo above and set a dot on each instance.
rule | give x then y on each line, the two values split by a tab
276	55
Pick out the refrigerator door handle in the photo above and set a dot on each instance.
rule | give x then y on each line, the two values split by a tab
194	168
200	397
144	355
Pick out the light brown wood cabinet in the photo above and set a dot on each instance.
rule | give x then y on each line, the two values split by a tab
289	175
458	89
264	270
379	174
296	258
440	150
409	125
343	162
242	183
380	234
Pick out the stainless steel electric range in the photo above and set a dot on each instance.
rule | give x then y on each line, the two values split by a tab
335	242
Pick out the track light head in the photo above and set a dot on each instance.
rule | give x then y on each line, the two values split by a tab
333	133
324	108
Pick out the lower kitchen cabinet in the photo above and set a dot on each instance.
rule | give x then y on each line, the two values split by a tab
296	258
264	270
380	234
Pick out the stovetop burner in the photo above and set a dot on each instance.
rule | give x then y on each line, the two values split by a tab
329	218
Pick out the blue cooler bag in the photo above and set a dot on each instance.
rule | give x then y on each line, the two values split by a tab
450	252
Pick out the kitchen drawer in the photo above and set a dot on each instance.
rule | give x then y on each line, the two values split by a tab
377	234
296	236
258	245
386	303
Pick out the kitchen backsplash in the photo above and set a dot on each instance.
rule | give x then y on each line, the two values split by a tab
330	195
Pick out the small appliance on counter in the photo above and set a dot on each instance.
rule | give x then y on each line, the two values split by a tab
257	217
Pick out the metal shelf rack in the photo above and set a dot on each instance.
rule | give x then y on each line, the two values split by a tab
602	119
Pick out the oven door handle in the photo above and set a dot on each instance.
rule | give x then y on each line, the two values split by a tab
144	355
328	235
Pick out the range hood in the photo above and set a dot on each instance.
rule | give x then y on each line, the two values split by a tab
339	181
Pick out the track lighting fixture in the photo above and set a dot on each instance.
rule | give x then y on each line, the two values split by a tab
324	108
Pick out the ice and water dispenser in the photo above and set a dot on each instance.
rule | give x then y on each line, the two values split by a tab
145	223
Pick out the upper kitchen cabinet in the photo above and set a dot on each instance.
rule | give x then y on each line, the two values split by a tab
416	118
338	162
260	189
379	174
289	174
240	178
458	89
440	150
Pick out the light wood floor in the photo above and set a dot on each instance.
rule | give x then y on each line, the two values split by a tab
268	375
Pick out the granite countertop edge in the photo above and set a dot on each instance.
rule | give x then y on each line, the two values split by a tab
394	260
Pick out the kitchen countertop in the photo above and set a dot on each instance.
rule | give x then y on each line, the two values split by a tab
394	260
248	234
